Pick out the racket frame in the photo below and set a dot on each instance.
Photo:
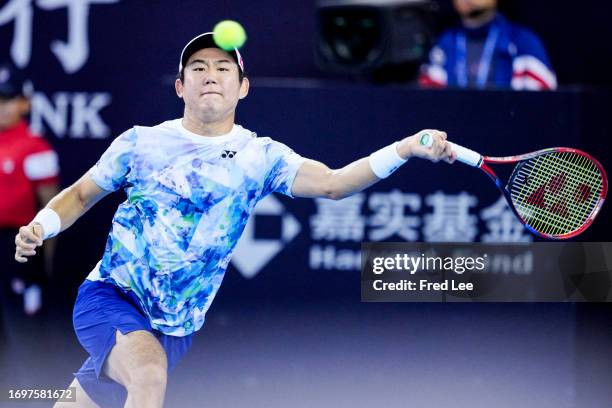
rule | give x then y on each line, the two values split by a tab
475	159
485	160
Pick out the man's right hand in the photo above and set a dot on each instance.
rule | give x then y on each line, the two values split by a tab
27	240
439	149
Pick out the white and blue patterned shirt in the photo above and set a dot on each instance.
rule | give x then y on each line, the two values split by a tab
188	200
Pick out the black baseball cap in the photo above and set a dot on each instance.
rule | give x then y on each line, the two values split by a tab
12	82
206	40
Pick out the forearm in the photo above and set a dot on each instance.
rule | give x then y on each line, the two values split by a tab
364	172
72	202
315	179
60	213
68	205
350	179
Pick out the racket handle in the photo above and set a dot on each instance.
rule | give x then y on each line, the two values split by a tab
464	155
467	156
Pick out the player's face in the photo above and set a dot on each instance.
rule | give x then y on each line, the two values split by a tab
211	86
12	110
466	7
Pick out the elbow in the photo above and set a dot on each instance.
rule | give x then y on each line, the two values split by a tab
332	189
334	196
78	195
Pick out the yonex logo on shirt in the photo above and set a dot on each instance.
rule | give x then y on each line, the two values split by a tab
228	154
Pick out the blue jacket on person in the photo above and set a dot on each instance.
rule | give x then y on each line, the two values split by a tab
498	55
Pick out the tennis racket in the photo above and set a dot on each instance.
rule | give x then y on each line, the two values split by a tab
555	193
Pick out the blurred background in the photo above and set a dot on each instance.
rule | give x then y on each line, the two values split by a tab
335	80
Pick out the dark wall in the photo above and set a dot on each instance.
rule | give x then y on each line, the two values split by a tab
281	34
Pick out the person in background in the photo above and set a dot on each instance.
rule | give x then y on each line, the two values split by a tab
487	51
29	173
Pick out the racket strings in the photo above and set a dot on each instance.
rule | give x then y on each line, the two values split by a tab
556	193
564	211
557	215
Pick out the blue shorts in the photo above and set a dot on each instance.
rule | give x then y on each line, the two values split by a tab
100	310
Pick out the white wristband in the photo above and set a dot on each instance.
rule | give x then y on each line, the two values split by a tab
50	222
386	160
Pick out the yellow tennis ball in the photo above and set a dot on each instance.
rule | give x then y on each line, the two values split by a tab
229	34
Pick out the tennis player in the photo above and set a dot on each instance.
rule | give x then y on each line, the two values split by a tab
191	185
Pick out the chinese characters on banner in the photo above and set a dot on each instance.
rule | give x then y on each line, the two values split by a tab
73	53
403	216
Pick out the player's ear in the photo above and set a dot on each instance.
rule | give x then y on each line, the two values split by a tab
178	87
244	88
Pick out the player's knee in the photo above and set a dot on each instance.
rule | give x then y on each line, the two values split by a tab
152	375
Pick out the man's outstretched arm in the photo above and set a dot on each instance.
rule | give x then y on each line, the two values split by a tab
315	179
59	214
